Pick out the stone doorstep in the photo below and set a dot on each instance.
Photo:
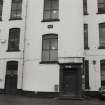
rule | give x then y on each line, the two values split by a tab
71	98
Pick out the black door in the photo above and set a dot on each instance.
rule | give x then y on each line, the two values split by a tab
11	77
11	84
70	82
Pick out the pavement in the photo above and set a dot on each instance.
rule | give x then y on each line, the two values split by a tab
25	100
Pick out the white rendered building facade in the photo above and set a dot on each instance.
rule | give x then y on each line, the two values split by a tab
57	48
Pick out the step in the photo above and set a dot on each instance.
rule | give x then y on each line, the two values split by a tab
70	98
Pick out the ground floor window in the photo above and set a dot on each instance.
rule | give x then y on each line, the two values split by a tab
86	74
102	35
102	64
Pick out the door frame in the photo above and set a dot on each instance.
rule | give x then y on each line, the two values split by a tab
79	68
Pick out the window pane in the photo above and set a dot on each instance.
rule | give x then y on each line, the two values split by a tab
12	65
54	4
103	84
54	14
50	47
54	44
53	55
85	7
101	6
101	1
102	37
16	9
14	6
51	9
1	6
45	55
11	45
19	6
14	15
102	72
46	44
0	11
14	37
47	4
18	14
85	36
47	14
102	34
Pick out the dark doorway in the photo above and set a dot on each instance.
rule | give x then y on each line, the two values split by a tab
11	77
70	81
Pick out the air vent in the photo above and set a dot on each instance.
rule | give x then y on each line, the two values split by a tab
56	88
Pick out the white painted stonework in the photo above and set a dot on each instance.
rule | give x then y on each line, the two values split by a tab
6	56
37	77
94	53
43	77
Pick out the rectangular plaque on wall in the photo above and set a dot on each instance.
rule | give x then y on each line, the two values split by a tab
50	26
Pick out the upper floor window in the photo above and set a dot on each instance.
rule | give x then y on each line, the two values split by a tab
51	10
85	7
101	6
102	64
14	37
16	9
85	36
49	48
1	6
102	35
